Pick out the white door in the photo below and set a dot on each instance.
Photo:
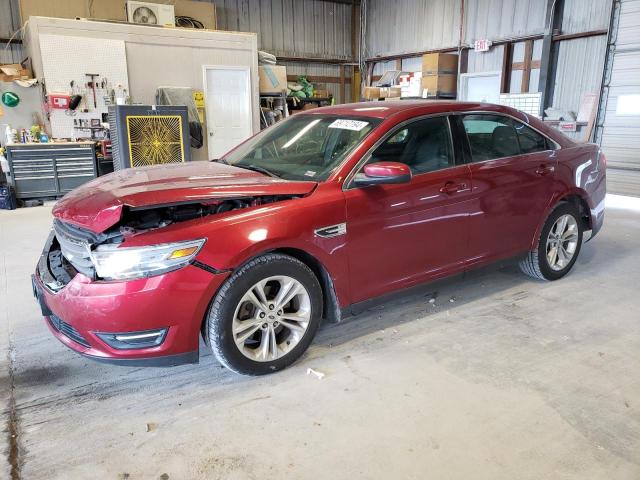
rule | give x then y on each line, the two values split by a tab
227	96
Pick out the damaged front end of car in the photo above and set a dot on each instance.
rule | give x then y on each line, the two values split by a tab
105	256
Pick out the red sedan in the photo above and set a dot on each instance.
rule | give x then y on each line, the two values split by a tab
310	219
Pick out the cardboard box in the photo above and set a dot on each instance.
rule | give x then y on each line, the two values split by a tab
440	85
371	93
436	63
375	93
273	78
13	71
112	9
390	92
58	9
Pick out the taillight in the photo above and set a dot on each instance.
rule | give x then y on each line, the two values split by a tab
602	160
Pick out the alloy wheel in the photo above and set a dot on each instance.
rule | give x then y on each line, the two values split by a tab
271	318
562	242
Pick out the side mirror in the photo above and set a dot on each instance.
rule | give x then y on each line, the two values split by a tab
383	173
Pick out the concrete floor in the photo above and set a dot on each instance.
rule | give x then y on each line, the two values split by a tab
513	379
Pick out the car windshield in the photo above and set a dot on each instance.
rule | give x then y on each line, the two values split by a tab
304	147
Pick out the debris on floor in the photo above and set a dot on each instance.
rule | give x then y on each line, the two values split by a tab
151	427
318	375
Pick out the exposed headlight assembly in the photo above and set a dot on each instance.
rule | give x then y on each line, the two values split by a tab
123	263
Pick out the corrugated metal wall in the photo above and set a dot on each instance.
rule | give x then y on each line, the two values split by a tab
306	28
418	25
490	61
410	26
581	60
291	27
9	22
585	15
579	70
295	28
501	19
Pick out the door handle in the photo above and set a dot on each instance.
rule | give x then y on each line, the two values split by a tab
545	169
451	187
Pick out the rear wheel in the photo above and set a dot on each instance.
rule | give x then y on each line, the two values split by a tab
558	246
265	315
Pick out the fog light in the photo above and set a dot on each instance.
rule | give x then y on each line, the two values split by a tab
132	340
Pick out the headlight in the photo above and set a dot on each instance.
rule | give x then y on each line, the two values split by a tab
114	263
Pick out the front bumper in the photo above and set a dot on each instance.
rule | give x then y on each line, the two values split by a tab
177	300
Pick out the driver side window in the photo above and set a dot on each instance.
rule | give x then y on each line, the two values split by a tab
424	146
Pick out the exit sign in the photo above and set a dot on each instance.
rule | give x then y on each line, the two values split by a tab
482	45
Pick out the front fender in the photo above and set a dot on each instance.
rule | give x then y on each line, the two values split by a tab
236	237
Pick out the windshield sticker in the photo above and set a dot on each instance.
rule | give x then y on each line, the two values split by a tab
309	173
355	125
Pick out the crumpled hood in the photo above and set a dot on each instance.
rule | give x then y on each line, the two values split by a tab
97	205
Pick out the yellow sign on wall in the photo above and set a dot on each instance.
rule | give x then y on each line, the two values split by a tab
198	98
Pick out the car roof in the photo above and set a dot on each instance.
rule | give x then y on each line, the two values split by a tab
386	109
403	109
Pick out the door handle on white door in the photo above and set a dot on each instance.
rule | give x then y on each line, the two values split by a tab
212	133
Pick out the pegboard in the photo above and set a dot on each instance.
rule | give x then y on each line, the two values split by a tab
68	58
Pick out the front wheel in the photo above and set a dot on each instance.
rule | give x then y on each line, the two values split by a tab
265	315
558	246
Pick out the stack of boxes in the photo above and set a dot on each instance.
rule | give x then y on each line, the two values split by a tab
410	84
439	75
438	79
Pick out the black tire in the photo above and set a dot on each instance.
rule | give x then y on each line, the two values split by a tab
536	263
221	312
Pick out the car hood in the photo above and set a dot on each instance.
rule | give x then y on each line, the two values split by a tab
97	205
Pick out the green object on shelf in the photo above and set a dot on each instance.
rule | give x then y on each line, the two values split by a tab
10	99
307	88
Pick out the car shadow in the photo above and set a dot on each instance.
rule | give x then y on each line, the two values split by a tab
446	295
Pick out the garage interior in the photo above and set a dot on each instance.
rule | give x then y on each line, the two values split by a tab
487	375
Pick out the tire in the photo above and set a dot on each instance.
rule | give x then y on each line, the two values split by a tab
234	313
537	263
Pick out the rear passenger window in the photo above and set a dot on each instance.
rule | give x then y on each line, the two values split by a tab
491	136
424	145
495	136
530	140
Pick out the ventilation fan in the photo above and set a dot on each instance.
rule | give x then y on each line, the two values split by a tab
144	15
143	135
147	13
